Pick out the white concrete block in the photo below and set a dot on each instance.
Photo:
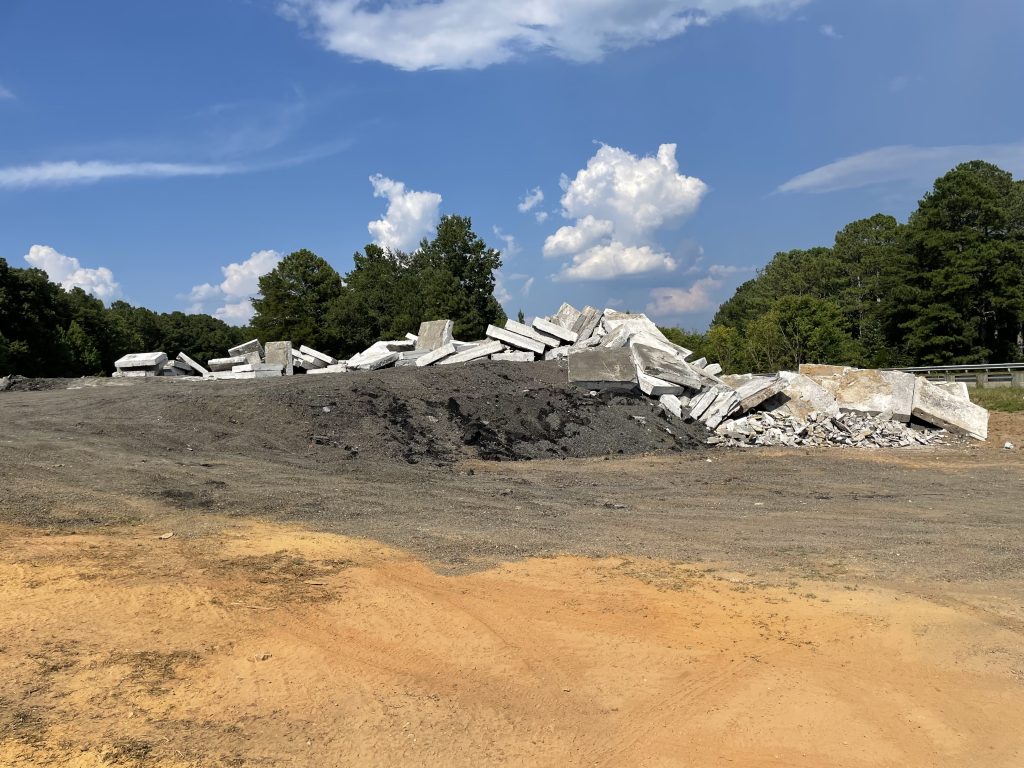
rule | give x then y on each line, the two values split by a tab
309	351
193	364
226	363
655	387
477	351
529	332
141	360
936	406
435	355
554	329
336	368
253	346
516	357
515	340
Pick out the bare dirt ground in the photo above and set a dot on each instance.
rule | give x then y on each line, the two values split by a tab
322	605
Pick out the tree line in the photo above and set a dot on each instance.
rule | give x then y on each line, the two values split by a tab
48	331
946	287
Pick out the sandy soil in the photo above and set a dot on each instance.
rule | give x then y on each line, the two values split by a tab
270	645
313	607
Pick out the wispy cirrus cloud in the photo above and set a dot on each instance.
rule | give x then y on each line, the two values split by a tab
5	93
902	164
49	174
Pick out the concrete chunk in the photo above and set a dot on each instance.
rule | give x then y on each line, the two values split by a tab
955	388
566	316
655	387
246	348
192	364
725	404
553	329
515	340
633	323
136	360
712	370
310	352
703	401
672	404
336	368
135	373
434	334
801	397
936	406
373	360
475	352
280	353
865	390
558	353
515	357
258	368
659	342
757	390
531	333
662	365
435	355
226	363
603	369
586	324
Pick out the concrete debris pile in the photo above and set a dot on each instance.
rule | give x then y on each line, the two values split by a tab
622	352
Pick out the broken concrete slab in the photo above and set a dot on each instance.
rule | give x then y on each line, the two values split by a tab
673	404
634	323
616	339
192	364
246	348
226	363
712	370
135	373
757	390
434	334
586	323
476	352
866	391
956	388
703	401
800	397
301	359
515	340
663	365
700	362
310	352
399	345
725	404
336	368
515	357
531	333
659	342
373	360
139	360
558	353
934	405
566	316
655	387
435	355
566	335
268	368
280	353
603	369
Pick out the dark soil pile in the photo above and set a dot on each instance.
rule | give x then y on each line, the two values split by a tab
490	410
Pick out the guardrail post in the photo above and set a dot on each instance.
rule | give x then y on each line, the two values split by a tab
981	379
1017	379
950	378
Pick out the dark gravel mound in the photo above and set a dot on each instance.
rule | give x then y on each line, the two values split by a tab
490	410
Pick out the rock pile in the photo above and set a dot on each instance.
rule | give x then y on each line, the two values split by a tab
622	352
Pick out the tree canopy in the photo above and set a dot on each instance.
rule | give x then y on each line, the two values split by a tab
947	287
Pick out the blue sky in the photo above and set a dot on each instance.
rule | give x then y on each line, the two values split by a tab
168	153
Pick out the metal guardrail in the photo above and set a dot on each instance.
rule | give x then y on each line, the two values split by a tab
980	375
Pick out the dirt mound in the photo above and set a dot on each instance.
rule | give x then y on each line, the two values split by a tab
491	410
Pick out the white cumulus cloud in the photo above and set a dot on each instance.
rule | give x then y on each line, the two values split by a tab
69	273
511	246
829	31
457	34
234	293
410	215
671	302
903	164
618	203
532	199
5	93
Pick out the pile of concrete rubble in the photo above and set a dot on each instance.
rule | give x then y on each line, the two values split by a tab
624	352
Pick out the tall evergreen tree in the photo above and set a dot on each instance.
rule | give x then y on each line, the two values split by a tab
294	300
